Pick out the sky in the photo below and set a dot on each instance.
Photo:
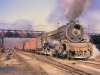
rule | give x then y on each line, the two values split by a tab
44	15
12	10
34	11
16	14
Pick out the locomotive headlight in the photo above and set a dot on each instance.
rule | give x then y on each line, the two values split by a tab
76	32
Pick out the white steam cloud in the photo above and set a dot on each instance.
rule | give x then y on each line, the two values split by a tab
53	42
96	52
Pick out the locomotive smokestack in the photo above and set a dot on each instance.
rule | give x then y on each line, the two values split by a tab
73	8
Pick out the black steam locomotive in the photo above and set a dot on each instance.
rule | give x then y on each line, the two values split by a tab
66	42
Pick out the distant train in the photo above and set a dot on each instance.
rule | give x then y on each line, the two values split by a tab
66	42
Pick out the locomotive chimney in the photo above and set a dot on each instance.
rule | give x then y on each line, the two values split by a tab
77	22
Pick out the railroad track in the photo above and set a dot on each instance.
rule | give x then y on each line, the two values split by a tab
22	60
35	72
97	60
58	64
91	63
15	65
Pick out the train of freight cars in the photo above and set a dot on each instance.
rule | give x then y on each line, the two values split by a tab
66	42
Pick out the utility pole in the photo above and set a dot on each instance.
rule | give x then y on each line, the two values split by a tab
58	25
88	29
3	41
2	44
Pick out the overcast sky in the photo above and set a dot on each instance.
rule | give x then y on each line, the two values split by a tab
42	12
12	10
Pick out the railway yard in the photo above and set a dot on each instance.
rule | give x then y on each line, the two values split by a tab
26	63
50	37
58	52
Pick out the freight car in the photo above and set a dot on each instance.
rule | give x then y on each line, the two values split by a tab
30	45
66	42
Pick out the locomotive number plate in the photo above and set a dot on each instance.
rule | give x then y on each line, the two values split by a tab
80	48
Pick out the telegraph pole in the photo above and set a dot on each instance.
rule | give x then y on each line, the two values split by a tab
2	44
3	41
58	25
88	29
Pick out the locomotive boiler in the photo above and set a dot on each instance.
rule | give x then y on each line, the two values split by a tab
70	42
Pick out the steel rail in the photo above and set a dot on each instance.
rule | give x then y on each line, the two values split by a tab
60	65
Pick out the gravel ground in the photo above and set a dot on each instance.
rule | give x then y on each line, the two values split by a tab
10	65
79	65
50	70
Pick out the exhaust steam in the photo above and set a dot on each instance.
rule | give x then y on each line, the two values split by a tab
96	52
73	8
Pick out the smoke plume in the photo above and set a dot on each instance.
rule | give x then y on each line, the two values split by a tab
73	8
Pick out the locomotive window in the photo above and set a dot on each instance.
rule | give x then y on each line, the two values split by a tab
77	27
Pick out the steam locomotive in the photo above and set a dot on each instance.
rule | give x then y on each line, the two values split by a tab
66	42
